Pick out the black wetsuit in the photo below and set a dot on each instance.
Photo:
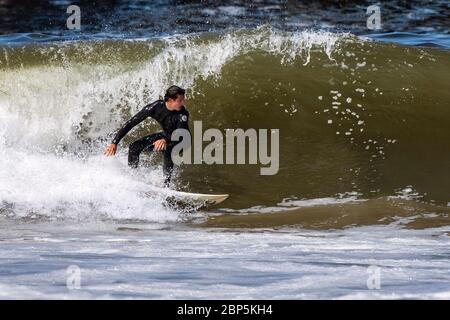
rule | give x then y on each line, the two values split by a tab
169	121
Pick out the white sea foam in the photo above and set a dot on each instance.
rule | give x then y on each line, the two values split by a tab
212	264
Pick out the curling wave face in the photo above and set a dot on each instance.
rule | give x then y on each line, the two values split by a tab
354	116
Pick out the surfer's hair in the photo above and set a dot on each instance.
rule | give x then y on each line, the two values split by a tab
173	92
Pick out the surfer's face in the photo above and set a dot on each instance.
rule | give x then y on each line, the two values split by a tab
176	104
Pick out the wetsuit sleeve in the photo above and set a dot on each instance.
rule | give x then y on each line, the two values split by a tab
135	120
182	123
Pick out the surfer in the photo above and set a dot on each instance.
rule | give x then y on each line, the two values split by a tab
171	114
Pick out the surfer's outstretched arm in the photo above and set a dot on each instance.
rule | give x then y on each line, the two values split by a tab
135	120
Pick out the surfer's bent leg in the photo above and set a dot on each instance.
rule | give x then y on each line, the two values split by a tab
138	146
168	165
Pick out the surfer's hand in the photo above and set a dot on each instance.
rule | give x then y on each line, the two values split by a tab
110	150
159	144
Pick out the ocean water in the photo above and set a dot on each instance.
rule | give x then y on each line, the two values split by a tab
148	261
358	209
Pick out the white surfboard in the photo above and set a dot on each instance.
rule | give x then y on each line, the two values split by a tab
204	198
191	198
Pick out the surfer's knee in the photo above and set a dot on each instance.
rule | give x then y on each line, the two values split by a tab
133	155
133	160
168	163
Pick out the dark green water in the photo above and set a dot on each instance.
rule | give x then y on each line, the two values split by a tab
354	116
